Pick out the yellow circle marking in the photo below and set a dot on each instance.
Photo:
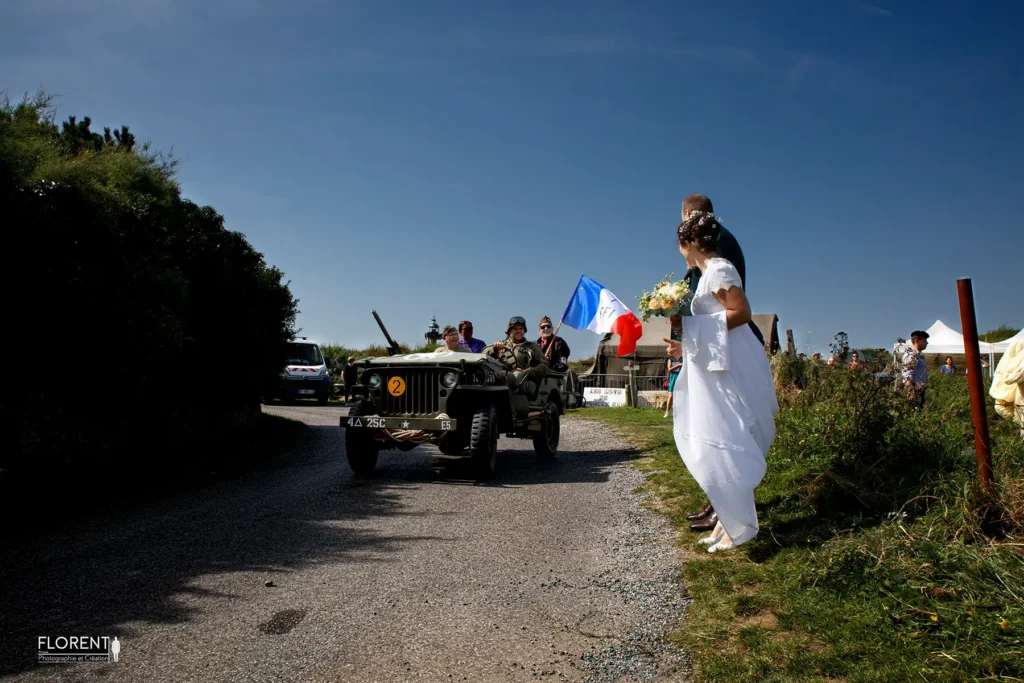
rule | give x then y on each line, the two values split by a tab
396	386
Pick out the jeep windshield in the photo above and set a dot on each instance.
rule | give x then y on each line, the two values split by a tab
304	354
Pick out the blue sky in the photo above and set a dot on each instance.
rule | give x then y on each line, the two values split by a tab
473	159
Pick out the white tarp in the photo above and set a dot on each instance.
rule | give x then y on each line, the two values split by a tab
943	340
1001	347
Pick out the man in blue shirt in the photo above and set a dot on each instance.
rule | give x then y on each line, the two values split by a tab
466	339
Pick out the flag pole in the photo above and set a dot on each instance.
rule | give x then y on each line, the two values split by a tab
547	353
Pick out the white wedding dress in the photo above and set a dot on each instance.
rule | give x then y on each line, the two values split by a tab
724	405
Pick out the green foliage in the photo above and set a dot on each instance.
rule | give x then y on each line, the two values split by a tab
999	334
879	558
174	321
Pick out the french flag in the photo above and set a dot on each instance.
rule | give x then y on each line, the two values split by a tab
592	307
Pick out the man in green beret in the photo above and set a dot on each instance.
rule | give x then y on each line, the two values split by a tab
450	335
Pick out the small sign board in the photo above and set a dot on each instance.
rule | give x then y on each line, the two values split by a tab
597	397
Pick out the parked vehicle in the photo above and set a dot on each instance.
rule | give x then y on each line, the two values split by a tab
305	374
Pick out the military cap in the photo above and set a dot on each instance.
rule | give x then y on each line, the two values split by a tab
448	329
515	320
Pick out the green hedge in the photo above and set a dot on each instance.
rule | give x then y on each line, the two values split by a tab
139	321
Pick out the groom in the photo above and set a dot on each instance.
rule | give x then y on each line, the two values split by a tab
729	249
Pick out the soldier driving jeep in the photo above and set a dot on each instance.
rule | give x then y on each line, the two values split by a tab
523	359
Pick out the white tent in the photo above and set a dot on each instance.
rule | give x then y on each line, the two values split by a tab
1001	347
943	340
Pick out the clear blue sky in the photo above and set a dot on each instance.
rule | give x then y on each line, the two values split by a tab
473	159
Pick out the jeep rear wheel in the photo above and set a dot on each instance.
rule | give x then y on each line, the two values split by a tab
483	442
546	443
360	447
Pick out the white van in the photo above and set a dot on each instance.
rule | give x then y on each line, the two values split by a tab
305	372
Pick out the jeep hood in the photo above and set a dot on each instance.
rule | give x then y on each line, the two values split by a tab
443	359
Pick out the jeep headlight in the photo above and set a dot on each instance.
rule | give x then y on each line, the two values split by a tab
450	379
374	380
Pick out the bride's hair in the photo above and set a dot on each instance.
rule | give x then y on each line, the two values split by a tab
701	229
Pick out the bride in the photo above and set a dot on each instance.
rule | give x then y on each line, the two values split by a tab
724	399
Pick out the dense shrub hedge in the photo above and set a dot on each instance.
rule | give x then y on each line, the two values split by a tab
137	321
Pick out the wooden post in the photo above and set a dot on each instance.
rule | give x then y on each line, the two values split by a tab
790	346
969	324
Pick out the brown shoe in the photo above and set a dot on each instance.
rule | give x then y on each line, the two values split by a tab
697	516
707	525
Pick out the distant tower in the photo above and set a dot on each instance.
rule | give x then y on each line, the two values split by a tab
433	332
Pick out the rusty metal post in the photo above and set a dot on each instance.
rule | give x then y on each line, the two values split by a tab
790	346
969	325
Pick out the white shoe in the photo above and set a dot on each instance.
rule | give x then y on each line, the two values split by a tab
715	535
665	415
724	544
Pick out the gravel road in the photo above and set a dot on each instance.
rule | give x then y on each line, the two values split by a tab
552	571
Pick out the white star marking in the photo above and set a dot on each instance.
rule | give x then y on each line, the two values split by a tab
405	425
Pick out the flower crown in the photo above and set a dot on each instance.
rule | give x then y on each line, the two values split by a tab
696	219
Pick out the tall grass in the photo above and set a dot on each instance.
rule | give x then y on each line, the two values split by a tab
880	558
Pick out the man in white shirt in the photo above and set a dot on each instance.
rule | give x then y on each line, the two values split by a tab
915	370
450	335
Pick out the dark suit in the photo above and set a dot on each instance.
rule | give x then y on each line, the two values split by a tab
729	249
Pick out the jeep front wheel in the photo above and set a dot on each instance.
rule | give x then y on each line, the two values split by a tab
360	447
483	442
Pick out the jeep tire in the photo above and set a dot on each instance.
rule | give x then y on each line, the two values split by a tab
546	443
483	442
360	447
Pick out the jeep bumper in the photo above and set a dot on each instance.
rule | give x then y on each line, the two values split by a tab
428	424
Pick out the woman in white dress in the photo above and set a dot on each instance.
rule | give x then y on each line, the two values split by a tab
724	400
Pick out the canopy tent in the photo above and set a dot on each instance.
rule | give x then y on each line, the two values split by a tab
1001	347
943	340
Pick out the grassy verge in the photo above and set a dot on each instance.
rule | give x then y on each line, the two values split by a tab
871	564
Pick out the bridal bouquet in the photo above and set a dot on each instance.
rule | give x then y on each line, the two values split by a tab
667	299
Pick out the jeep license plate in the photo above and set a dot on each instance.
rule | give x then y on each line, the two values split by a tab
307	392
376	422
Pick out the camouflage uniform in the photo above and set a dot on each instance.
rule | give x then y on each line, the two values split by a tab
525	356
525	360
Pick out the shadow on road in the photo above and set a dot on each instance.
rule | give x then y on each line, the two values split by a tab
94	576
100	575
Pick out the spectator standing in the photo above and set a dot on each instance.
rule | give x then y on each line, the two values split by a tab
349	376
854	363
467	340
915	372
948	368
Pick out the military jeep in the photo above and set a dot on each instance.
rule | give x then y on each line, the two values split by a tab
456	400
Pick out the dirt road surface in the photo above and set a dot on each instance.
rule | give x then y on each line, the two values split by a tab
552	571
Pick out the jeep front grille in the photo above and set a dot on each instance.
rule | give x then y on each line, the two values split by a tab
420	396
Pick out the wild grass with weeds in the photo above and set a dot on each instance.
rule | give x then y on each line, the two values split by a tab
880	558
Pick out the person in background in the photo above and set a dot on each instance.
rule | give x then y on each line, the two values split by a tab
559	355
854	363
948	368
349	376
450	335
816	358
467	340
673	366
915	371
